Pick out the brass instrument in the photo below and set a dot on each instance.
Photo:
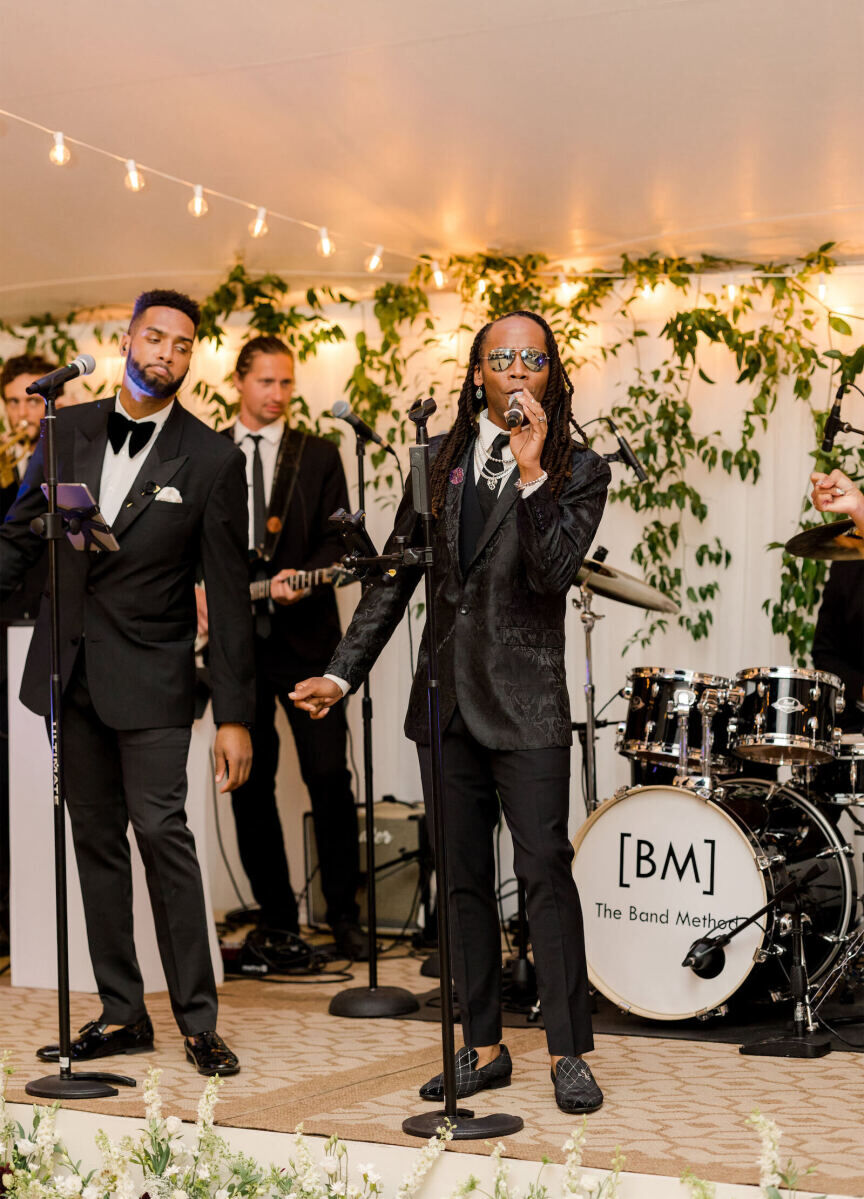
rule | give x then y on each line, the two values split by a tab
8	457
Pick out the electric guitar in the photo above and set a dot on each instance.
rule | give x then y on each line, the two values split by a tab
259	589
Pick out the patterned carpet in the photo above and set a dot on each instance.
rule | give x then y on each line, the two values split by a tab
669	1104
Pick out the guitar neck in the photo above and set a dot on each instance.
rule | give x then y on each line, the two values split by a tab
303	579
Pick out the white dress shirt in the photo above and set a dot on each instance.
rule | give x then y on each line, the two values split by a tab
268	447
486	434
120	470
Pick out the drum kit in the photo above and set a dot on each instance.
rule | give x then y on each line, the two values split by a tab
724	873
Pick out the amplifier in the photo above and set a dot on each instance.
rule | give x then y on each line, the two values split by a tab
400	849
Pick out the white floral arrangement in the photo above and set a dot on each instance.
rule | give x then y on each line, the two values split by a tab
159	1163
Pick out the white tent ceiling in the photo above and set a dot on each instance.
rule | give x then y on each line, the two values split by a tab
579	128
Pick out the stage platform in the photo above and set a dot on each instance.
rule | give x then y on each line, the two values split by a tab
669	1104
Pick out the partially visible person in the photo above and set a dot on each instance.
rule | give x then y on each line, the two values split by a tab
174	493
838	643
23	414
295	483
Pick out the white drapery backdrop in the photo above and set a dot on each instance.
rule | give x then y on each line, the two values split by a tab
744	515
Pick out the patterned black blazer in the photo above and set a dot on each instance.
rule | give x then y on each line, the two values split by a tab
500	624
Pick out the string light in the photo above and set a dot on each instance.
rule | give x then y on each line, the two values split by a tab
135	181
258	227
481	287
647	291
198	206
59	152
437	274
821	290
375	260
325	244
731	292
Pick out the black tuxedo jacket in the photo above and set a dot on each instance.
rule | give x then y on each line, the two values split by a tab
304	635
135	608
500	623
838	644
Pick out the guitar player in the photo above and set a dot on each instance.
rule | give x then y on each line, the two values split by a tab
295	481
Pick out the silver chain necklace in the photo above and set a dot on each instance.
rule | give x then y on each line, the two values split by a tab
492	478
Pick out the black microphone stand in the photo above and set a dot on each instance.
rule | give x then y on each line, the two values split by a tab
371	1000
52	527
462	1122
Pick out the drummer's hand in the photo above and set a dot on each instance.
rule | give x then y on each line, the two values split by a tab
837	493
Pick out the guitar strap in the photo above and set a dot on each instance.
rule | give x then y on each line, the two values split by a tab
285	475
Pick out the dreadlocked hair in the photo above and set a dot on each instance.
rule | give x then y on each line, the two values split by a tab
557	456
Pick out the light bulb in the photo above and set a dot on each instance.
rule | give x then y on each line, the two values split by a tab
198	206
821	290
647	291
325	245
258	227
567	290
481	286
731	292
135	181
437	274
59	152
375	260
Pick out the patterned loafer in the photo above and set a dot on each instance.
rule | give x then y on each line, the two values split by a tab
470	1080
575	1088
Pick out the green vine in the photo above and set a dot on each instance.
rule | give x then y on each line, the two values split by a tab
774	330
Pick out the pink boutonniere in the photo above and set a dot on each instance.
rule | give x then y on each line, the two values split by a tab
457	475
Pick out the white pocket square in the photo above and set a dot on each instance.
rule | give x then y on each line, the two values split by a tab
169	495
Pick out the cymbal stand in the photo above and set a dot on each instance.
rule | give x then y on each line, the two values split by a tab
589	619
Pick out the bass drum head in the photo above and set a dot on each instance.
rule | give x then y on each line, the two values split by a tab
657	868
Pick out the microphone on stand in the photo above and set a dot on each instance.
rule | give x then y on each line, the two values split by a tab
833	425
84	364
627	454
341	410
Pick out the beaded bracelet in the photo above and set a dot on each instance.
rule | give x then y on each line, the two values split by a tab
540	479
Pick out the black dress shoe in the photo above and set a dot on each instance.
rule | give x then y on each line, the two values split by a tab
210	1055
470	1080
94	1041
351	941
576	1090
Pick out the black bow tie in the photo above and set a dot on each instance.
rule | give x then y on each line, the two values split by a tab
138	432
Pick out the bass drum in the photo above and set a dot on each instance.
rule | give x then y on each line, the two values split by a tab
660	867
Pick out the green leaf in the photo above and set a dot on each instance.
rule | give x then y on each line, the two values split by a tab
839	325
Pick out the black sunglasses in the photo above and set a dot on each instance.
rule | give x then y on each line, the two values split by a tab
503	359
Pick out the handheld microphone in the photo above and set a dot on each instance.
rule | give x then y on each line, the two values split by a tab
833	425
341	410
627	454
515	414
84	364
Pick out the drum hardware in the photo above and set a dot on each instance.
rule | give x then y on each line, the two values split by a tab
802	1043
589	618
846	850
786	715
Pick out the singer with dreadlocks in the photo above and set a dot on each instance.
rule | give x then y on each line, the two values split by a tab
516	512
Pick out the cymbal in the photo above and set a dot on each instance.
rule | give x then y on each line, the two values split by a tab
616	584
838	541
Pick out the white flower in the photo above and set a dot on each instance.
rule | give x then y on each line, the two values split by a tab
769	1158
330	1166
370	1174
203	1171
25	1147
222	1193
152	1100
178	1194
90	1192
67	1185
173	1125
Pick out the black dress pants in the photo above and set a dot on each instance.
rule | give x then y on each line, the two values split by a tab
321	750
531	786
114	777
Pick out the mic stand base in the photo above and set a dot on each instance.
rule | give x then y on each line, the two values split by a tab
788	1046
465	1126
85	1085
369	1002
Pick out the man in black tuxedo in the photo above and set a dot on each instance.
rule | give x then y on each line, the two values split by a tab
295	483
838	644
173	491
516	514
